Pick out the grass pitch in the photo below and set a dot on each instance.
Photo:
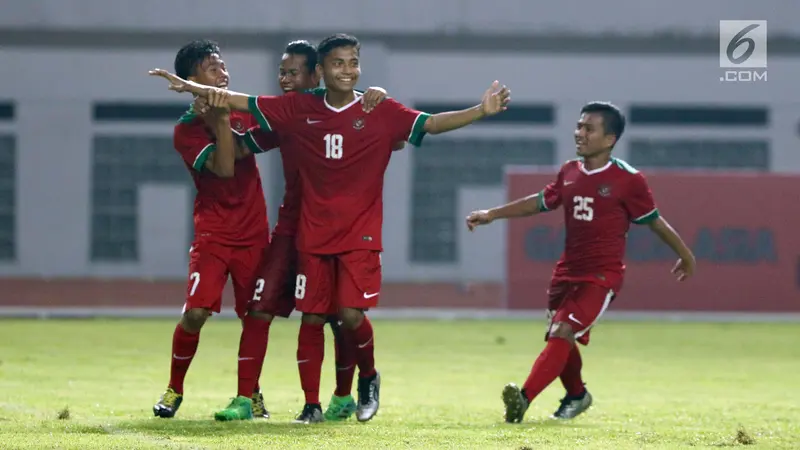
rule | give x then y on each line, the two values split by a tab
87	384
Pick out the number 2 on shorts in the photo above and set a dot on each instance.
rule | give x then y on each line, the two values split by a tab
259	289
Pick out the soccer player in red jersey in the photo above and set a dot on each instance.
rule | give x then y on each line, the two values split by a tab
230	214
601	196
275	288
342	155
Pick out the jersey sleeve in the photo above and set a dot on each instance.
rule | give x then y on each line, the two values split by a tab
638	201
260	141
273	113
406	124
194	145
550	197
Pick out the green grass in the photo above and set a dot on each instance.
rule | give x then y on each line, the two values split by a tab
656	385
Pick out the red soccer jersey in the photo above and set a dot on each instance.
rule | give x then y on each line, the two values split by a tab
599	206
289	213
230	211
342	155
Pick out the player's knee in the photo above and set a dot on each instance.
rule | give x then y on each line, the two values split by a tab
333	321
562	330
260	315
194	319
351	318
313	319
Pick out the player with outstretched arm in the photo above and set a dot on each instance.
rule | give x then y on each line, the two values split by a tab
601	196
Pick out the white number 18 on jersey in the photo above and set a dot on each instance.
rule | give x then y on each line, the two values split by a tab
333	146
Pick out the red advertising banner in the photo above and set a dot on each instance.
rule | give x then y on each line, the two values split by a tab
743	228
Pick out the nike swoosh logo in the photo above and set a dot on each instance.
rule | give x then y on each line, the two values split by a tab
312	122
571	317
301	361
182	357
245	359
567	183
365	343
370	295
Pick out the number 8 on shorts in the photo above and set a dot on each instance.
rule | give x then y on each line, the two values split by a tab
300	287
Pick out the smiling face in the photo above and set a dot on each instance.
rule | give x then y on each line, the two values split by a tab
590	136
341	69
211	72
294	74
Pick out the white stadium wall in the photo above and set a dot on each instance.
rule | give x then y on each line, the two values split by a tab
54	129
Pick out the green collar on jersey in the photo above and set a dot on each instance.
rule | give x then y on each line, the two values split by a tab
189	115
624	165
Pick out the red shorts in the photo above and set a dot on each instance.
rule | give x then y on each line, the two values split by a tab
210	264
579	304
274	289
327	283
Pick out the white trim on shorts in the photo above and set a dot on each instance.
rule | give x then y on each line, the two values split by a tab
606	302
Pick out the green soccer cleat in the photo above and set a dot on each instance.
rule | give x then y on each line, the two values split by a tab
241	408
340	408
168	405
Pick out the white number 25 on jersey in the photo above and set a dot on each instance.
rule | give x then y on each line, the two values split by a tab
583	208
334	146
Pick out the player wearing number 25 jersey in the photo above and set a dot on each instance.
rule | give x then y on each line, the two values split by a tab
598	207
601	196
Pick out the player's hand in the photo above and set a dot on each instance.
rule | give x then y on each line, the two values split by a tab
495	100
684	268
477	218
176	83
201	105
218	100
372	98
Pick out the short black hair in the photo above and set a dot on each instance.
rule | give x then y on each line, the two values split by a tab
613	119
335	41
306	49
193	54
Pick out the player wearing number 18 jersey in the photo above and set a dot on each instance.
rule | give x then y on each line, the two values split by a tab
600	196
344	158
274	293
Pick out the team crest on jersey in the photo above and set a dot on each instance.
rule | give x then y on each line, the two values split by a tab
358	124
238	126
604	190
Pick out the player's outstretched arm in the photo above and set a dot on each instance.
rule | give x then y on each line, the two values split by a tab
495	100
523	207
235	100
686	264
